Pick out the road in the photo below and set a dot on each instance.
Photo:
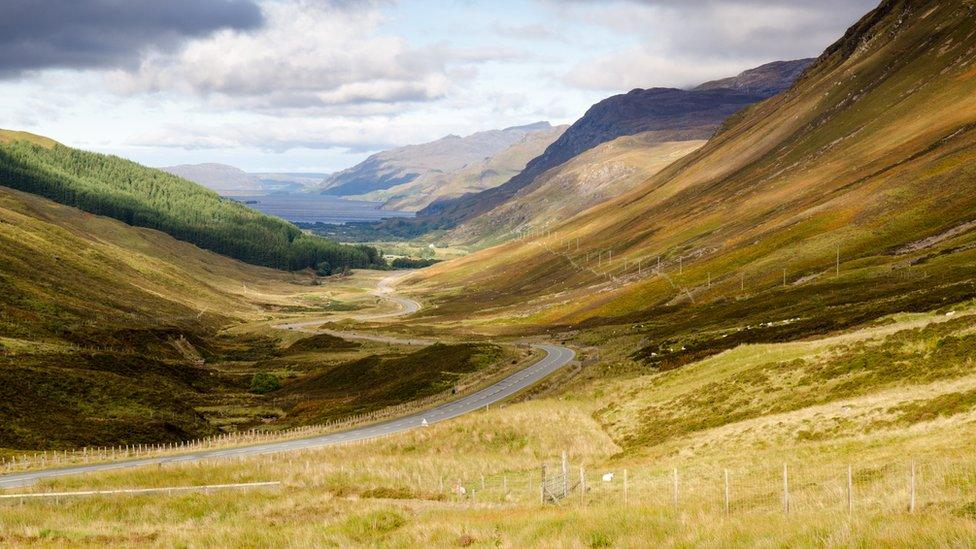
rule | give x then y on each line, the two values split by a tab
556	357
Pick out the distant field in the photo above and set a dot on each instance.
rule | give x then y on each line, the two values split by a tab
312	208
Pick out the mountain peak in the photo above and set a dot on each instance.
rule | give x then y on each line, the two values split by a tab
768	79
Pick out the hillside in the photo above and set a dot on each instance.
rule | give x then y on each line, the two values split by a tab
417	174
145	197
89	310
594	176
676	115
489	172
847	197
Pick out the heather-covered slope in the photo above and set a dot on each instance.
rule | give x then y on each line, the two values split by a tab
90	309
851	195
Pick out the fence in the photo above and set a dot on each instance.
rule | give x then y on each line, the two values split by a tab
908	486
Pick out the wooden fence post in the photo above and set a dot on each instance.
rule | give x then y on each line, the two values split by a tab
675	487
582	486
786	490
726	492
542	486
850	490
911	492
625	488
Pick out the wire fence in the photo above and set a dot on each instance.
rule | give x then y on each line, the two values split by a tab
909	486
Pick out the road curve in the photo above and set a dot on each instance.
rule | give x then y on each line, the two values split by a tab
556	357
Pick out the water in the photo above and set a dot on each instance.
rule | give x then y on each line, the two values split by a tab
312	208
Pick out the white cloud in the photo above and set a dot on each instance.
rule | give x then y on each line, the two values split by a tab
686	43
307	54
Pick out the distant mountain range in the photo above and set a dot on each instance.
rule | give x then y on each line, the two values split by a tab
411	177
676	115
231	181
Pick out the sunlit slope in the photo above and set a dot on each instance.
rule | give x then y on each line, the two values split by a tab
491	171
869	157
90	309
595	176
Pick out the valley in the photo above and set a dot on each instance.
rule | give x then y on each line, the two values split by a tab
733	313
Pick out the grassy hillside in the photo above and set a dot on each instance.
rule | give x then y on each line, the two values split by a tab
868	162
738	416
145	197
90	309
103	327
595	176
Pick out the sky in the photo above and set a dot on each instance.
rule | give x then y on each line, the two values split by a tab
318	85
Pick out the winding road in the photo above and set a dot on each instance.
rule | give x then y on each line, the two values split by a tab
556	357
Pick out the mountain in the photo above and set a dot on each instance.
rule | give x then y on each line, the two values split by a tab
850	196
675	114
415	174
590	178
766	80
230	181
225	180
145	197
489	172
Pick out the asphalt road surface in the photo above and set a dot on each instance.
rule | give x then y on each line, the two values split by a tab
556	357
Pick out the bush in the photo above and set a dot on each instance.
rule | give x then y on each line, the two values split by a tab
263	382
411	263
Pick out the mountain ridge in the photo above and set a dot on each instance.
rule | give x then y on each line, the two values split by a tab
410	173
692	114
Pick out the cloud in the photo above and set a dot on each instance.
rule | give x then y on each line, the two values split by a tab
353	135
83	34
309	55
689	41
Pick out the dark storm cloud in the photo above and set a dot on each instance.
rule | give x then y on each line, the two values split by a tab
78	34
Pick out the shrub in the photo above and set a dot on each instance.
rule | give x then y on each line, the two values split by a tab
263	382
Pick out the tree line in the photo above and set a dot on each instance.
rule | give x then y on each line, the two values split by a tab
145	197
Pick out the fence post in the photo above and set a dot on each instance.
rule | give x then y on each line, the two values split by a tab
675	486
565	474
850	490
626	499
911	494
542	486
786	490
582	484
726	492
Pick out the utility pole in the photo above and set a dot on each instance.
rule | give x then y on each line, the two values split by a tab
742	282
837	262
